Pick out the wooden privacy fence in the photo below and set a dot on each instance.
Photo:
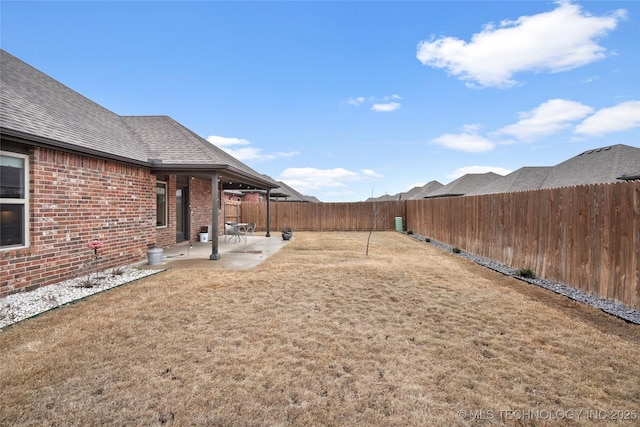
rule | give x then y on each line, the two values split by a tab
586	236
324	216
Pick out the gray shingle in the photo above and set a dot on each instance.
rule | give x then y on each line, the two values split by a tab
630	176
35	104
596	166
427	189
38	107
290	194
526	178
414	194
465	184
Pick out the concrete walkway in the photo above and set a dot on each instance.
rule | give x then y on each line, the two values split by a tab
233	255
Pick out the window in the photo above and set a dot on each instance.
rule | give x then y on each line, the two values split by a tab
14	200
161	204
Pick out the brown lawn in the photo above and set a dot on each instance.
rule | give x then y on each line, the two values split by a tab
321	334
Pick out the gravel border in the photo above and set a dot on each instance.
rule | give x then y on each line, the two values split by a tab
24	305
625	313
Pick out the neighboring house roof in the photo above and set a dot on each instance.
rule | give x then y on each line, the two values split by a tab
407	195
384	198
631	176
464	185
288	193
38	109
427	189
413	194
596	166
523	179
387	197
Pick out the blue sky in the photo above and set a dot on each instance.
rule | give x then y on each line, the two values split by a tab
345	100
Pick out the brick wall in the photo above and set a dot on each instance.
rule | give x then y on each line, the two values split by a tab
200	200
74	199
254	197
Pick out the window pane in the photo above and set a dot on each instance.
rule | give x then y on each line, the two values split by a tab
11	225
11	177
161	204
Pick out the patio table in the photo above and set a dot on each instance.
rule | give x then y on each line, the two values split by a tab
237	227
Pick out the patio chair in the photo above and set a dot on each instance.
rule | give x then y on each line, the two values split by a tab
228	232
248	230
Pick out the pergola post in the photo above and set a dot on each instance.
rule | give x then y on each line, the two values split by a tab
268	212
215	206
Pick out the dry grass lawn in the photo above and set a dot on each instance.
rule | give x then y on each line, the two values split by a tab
321	334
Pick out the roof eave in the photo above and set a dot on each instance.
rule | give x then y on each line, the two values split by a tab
225	171
39	141
629	177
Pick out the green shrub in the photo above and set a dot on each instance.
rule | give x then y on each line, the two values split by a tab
426	239
456	250
526	273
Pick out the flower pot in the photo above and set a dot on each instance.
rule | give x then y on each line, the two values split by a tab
155	256
286	236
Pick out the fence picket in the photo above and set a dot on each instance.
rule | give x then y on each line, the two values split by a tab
586	236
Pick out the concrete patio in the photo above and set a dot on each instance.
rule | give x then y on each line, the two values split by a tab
234	255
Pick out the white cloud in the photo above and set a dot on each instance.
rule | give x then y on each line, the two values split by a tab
622	117
371	173
223	141
467	141
546	119
305	179
391	106
589	79
246	153
385	104
356	101
554	41
477	169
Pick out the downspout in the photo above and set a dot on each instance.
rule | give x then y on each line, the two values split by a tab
214	217
268	212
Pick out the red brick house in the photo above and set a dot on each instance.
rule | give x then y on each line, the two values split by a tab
72	171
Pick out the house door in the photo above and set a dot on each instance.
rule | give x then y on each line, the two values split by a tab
182	216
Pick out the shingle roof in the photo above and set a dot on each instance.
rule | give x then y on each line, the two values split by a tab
630	176
427	189
407	195
290	194
596	166
413	194
39	108
32	103
464	185
164	138
526	178
384	198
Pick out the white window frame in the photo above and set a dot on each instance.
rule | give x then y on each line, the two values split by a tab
24	201
166	205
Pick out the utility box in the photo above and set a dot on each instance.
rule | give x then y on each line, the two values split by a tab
399	225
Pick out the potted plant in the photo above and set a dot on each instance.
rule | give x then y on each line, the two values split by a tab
286	233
